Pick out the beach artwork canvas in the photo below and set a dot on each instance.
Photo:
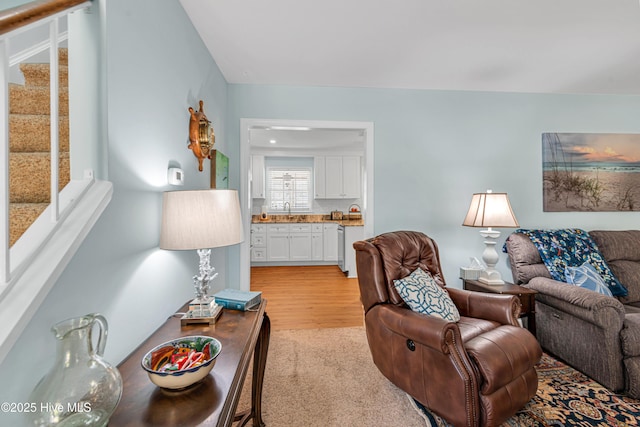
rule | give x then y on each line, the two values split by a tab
591	172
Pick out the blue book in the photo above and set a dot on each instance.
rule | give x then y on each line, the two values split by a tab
235	299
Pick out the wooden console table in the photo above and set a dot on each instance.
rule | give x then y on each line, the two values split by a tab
214	400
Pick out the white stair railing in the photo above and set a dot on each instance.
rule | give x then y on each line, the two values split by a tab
5	273
32	265
9	268
54	114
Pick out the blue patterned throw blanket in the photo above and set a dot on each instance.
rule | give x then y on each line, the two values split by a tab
571	247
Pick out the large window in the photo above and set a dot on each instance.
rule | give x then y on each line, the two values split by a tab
289	185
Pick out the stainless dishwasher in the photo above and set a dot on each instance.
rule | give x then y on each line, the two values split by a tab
341	247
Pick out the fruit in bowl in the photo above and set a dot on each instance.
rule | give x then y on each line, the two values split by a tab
182	362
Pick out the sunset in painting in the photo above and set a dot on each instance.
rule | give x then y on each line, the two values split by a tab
591	172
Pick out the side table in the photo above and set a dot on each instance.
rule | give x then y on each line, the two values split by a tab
527	297
213	401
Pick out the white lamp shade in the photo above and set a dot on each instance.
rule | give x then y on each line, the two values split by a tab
200	219
490	210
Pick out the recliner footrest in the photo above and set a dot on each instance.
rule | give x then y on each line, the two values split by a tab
503	354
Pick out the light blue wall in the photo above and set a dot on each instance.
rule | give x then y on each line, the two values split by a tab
433	149
8	4
157	67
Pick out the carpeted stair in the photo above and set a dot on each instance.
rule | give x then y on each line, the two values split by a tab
29	144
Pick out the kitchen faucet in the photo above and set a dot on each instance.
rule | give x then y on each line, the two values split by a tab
287	206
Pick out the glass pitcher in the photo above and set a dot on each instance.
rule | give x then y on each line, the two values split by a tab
81	389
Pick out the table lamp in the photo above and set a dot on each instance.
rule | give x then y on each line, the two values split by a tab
201	220
490	210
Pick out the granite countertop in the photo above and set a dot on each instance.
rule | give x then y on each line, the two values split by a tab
272	219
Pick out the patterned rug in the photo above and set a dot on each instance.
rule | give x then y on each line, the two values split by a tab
565	397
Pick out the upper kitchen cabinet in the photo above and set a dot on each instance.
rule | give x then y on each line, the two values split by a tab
318	178
338	176
257	177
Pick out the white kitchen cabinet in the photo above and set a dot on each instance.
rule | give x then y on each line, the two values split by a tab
278	247
289	242
300	247
319	177
258	254
300	242
351	177
333	177
294	243
317	247
330	241
342	177
278	242
258	242
317	242
300	227
258	190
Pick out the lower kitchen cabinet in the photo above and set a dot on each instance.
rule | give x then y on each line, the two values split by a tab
258	242
317	244
300	243
278	247
288	242
277	242
294	243
330	241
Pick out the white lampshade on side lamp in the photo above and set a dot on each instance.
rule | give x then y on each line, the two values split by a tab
490	210
201	220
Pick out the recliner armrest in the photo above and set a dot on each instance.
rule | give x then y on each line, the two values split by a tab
430	331
504	309
588	305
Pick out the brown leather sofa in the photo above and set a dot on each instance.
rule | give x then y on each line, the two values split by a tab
478	371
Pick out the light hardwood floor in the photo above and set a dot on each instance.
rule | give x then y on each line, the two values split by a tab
308	297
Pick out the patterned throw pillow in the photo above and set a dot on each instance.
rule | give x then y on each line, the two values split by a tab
423	295
586	277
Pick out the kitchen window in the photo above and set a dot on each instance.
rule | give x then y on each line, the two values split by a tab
289	185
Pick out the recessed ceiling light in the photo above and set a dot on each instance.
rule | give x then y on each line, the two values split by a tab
272	141
290	128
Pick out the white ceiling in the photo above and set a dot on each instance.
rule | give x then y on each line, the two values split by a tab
307	139
536	46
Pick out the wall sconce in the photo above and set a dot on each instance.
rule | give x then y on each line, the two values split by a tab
199	141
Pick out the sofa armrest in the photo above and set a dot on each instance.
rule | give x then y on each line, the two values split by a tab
504	309
601	310
430	331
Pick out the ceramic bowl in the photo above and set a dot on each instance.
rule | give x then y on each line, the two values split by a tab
157	358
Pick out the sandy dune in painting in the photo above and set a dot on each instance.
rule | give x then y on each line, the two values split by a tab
591	191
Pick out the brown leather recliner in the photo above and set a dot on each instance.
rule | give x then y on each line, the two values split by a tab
478	371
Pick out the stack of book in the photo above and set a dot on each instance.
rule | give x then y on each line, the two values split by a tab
235	299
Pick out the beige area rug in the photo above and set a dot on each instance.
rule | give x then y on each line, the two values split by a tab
325	378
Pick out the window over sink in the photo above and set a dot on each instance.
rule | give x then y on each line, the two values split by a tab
289	188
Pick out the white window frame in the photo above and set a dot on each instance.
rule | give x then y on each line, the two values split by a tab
294	196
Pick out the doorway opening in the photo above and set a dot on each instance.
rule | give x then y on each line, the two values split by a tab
304	136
